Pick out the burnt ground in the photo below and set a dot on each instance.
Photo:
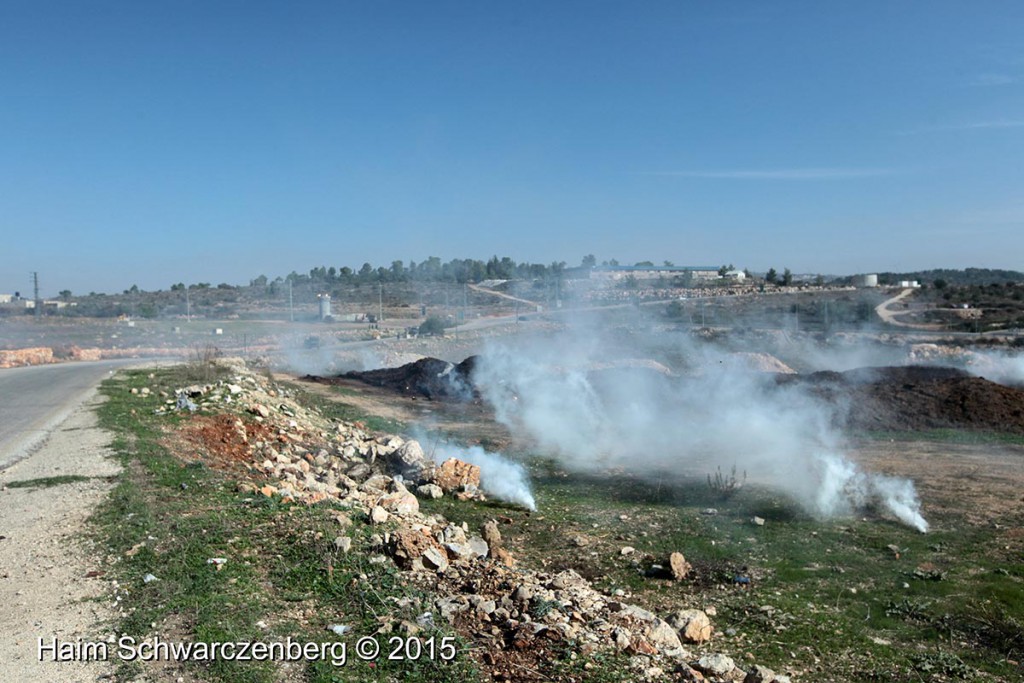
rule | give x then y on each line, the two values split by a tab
428	377
916	398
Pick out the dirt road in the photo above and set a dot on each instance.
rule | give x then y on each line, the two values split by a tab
891	317
45	556
502	295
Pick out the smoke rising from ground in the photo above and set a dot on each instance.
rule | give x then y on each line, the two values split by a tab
570	401
500	477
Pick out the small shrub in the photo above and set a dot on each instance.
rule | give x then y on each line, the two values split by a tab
202	363
432	326
725	486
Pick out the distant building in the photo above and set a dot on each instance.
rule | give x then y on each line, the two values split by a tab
325	306
737	275
6	298
870	280
616	273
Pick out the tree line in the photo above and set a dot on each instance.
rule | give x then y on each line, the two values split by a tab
430	270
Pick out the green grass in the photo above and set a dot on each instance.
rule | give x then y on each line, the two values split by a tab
339	410
283	577
47	482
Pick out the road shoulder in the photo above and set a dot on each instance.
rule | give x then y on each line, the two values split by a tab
47	561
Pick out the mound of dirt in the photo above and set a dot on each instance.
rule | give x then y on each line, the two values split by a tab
427	377
912	398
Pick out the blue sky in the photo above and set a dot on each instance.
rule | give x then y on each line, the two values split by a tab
155	142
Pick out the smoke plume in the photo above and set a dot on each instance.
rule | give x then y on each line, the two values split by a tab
500	477
573	396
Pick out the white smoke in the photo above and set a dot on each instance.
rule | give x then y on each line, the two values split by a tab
650	423
1000	367
499	476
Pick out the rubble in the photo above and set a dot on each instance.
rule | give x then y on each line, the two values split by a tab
693	625
715	665
22	357
455	475
678	566
760	674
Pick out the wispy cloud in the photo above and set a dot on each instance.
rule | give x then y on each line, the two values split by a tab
991	80
996	124
836	173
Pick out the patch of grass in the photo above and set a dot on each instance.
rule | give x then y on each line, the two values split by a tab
47	482
339	410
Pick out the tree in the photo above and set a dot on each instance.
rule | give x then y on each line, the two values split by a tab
65	294
771	276
787	277
432	326
589	261
940	283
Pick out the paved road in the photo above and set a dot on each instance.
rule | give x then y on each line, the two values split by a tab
34	400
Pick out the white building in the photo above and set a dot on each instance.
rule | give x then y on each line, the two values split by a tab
616	273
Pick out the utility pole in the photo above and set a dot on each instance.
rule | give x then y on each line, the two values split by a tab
36	303
291	312
188	304
380	302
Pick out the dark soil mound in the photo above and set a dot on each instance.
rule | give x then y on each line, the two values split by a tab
428	377
916	398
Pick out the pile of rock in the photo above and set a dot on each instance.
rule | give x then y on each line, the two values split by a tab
21	357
